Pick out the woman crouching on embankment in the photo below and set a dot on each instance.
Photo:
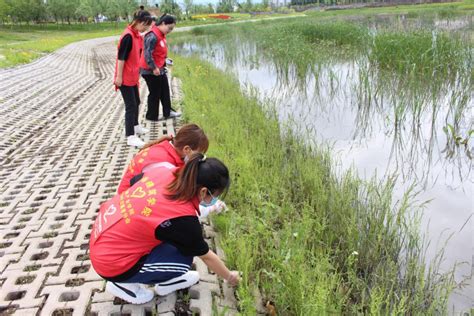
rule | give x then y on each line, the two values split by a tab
150	233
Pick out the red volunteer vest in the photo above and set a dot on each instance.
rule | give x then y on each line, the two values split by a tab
131	70
124	230
162	152
159	53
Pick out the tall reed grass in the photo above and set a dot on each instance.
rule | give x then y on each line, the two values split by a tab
426	54
312	242
411	68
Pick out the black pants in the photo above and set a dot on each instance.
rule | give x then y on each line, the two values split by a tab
159	91
132	101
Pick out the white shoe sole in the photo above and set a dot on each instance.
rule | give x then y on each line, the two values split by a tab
140	145
141	132
137	146
183	281
114	290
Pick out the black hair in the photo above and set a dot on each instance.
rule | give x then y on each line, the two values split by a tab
197	173
166	19
142	7
214	175
142	16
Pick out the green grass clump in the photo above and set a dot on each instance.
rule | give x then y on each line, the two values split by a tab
22	44
301	43
311	242
338	32
420	52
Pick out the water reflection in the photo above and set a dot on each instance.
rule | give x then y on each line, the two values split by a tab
412	120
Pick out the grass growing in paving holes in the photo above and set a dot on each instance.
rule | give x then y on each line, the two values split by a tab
310	241
34	267
181	307
25	279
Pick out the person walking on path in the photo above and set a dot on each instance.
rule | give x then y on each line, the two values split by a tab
152	68
150	233
127	74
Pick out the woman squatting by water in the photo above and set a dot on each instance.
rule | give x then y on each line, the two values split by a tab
150	233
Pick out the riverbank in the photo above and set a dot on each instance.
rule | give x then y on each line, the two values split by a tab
354	253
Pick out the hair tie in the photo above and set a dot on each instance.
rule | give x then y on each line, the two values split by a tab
203	158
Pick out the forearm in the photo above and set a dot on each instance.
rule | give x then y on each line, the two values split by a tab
216	264
120	65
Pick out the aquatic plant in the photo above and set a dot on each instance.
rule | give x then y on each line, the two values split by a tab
313	243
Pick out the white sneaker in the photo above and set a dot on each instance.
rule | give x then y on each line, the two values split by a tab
174	114
134	293
141	130
178	283
134	140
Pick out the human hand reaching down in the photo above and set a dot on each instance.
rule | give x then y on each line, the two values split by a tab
220	206
234	278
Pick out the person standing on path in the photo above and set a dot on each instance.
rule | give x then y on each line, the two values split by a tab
152	68
150	233
127	74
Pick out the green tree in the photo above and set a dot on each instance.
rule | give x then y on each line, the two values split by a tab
188	7
171	7
84	10
98	7
63	10
4	10
27	10
202	8
248	6
127	8
113	10
210	6
225	6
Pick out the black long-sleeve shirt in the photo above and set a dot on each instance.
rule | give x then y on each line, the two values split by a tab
125	47
185	233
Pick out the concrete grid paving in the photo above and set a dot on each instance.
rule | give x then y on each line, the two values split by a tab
63	152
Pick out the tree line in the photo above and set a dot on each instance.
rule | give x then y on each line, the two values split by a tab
87	11
64	11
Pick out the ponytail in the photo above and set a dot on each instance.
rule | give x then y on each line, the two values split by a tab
166	19
199	172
